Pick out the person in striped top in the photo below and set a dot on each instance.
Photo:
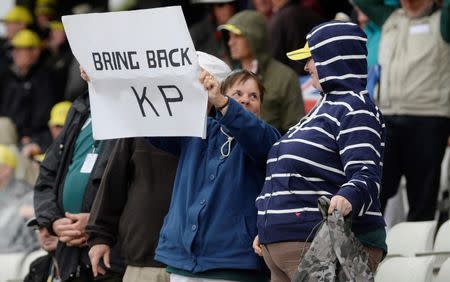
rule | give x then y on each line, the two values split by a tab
336	151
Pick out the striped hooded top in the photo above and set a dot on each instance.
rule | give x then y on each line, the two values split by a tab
337	149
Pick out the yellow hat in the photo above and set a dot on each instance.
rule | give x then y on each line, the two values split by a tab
56	25
19	14
231	28
58	113
300	54
39	158
26	39
7	156
45	7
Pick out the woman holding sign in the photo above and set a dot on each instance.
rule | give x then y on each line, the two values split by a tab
211	222
208	230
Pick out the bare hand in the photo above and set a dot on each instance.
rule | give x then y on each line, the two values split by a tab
341	204
61	225
84	75
79	241
213	87
30	150
257	246
97	252
73	233
25	140
79	220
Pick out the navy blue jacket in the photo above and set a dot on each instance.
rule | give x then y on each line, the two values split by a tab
336	150
212	217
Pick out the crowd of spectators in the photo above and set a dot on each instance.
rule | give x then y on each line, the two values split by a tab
407	76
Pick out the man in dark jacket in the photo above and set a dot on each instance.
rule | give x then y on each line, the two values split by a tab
66	188
26	92
15	20
133	198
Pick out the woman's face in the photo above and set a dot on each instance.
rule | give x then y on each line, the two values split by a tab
247	94
311	68
239	47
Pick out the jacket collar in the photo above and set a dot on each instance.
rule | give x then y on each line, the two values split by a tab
81	104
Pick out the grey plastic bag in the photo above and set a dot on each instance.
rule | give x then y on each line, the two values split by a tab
335	253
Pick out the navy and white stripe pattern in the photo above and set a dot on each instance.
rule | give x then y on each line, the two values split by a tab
337	149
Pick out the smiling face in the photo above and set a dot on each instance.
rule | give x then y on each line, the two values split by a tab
311	68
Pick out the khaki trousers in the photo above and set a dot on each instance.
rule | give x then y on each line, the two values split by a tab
143	274
179	278
283	258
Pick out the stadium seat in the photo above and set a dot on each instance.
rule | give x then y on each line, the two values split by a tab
410	238
444	272
441	248
405	269
9	264
442	242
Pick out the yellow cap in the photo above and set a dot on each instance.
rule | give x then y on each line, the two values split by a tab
45	2
19	14
231	28
56	25
39	157
26	39
300	54
7	156
58	113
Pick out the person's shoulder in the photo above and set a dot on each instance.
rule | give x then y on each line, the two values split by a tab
38	269
41	263
395	16
359	103
276	66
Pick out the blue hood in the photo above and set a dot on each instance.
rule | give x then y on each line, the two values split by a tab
340	54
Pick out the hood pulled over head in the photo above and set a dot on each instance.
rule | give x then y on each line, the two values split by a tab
340	55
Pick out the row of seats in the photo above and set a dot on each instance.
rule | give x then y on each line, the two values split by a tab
412	269
416	253
413	238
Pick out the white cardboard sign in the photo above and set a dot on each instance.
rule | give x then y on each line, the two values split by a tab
143	73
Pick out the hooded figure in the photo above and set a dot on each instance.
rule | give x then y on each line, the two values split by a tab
283	105
335	151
